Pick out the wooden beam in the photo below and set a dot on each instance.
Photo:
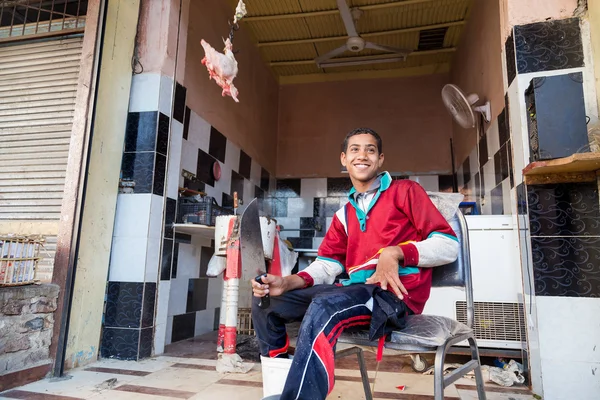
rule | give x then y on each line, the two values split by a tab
333	11
364	35
365	58
374	74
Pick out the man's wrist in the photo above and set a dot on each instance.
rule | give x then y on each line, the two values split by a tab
396	252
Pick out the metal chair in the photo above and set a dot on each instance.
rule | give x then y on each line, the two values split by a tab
430	333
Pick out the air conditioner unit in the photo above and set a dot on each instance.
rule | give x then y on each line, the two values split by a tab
497	285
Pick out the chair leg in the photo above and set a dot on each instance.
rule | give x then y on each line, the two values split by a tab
438	373
362	365
478	374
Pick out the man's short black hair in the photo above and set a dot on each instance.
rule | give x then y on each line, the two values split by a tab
362	131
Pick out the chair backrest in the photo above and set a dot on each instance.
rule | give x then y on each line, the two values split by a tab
458	273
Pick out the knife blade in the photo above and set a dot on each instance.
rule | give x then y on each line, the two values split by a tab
251	246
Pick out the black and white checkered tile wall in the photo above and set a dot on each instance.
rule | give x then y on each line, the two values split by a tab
158	290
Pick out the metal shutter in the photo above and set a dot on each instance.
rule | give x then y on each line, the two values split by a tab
38	84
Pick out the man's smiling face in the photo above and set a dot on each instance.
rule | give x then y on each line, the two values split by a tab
362	160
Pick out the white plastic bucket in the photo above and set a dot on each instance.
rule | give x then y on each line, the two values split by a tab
274	374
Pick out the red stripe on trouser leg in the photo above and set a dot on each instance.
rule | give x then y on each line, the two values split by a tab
230	338
284	349
343	324
358	323
325	352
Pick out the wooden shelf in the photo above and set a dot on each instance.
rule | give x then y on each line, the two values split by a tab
205	232
582	167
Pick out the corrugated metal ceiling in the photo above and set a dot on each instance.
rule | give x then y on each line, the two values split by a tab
292	33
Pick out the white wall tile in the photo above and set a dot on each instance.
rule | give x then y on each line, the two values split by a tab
489	176
199	132
315	187
569	329
486	206
232	156
156	217
317	242
178	296
132	216
189	156
144	92
174	167
565	379
474	160
493	138
204	322
248	191
328	222
160	338
212	192
169	330
255	171
300	207
128	259
214	293
507	197
153	259
165	102
223	185
188	261
429	182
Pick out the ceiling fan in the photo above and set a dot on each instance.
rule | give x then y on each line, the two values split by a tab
356	44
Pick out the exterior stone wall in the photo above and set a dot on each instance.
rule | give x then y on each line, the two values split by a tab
26	322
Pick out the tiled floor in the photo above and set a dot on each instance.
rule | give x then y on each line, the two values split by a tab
188	372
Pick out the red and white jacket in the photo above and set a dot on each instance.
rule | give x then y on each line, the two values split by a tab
400	213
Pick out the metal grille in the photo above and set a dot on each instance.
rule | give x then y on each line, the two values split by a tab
495	321
40	18
432	39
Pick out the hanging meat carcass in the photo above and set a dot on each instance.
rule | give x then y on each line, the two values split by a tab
222	67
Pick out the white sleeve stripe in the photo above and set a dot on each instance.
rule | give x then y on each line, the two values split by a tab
323	271
437	250
341	216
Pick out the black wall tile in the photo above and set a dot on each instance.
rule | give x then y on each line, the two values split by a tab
184	326
511	60
446	183
186	122
510	164
521	199
478	191
165	260
204	168
124	304
197	294
162	137
217	144
146	341
120	343
175	261
217	318
497	201
504	167
566	209
548	45
170	212
279	206
160	171
183	238
237	184
148	303
194	185
337	187
466	171
245	164
265	178
205	255
566	266
301	242
179	106
140	131
288	188
226	201
483	150
139	167
503	127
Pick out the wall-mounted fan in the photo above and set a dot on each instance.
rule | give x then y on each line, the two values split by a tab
462	106
356	44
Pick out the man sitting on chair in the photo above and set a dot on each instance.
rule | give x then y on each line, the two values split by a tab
386	239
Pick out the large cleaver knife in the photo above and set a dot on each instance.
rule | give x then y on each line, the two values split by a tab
252	254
